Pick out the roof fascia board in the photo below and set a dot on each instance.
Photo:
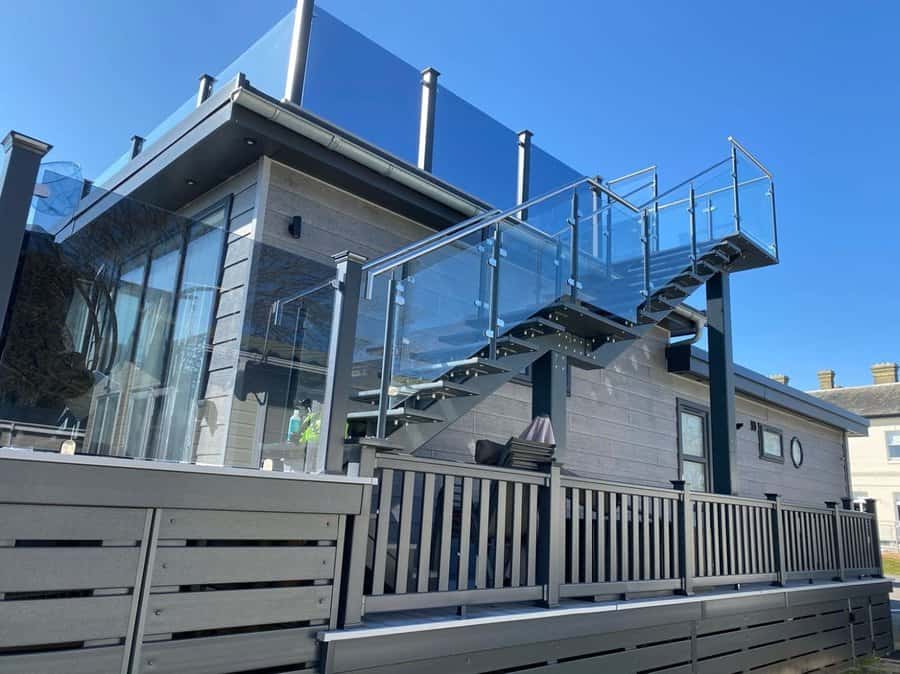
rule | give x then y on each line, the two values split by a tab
694	362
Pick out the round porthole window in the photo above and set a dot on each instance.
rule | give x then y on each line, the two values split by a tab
796	452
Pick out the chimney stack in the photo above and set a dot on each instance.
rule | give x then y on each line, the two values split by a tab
780	378
884	373
826	379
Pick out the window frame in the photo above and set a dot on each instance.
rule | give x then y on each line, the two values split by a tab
762	429
682	406
888	445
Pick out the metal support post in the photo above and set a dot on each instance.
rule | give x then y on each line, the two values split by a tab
723	421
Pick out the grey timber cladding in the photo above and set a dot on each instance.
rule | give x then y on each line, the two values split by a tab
111	568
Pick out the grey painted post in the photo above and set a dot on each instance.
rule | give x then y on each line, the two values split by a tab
21	159
523	170
777	538
296	67
358	540
549	543
686	540
876	539
204	91
426	119
330	456
548	395
838	540
722	417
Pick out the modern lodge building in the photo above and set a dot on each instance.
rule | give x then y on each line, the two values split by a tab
310	384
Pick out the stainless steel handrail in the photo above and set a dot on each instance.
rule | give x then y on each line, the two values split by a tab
415	250
633	174
685	182
750	156
428	239
719	190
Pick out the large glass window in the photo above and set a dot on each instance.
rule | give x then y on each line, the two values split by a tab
693	446
164	305
893	445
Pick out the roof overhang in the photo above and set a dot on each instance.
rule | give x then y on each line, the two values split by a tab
237	125
692	362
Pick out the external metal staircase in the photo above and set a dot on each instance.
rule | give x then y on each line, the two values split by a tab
582	271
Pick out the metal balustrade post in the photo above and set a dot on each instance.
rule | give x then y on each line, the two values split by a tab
608	240
774	218
204	89
494	320
777	538
574	283
645	241
357	538
838	540
692	213
335	404
686	540
394	299
596	203
427	106
549	544
523	170
296	67
734	187
872	509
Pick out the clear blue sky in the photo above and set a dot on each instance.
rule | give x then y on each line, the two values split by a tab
812	88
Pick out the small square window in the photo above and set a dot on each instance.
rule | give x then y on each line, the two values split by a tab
893	445
770	444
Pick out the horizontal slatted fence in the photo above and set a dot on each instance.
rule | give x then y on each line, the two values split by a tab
164	571
67	584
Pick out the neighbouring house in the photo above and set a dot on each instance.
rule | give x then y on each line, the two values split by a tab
334	372
874	455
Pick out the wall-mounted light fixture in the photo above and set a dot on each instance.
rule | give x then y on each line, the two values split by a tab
295	226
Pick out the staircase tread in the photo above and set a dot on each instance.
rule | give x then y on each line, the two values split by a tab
448	387
583	321
402	412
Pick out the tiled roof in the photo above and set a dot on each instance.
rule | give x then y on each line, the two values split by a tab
877	400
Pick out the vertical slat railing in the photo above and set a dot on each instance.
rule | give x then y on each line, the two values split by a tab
449	534
457	535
